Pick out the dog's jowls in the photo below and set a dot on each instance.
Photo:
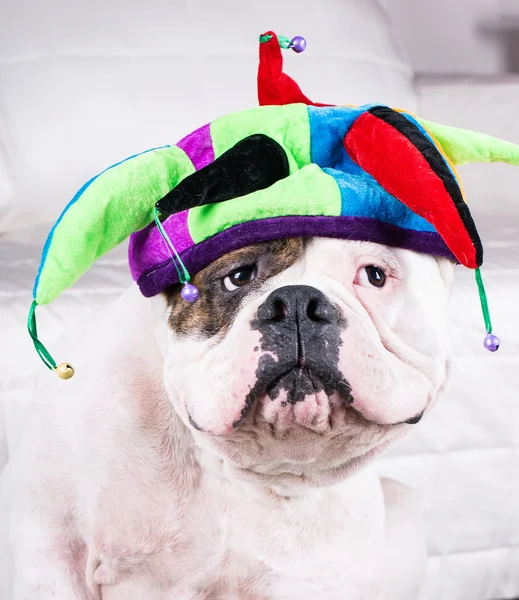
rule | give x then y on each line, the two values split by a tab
221	452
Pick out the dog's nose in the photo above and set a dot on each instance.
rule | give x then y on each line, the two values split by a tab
300	305
301	333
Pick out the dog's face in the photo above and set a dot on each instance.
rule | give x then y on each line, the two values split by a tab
303	358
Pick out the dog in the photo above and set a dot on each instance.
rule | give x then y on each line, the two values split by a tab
224	449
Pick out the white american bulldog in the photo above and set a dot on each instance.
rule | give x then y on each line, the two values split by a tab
222	451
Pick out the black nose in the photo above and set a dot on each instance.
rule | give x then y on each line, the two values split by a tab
300	305
301	326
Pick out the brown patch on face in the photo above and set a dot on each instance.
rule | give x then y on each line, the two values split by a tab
216	307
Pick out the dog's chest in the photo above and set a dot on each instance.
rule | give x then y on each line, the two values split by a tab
247	544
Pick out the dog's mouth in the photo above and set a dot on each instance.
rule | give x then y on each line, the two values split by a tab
295	384
300	381
299	393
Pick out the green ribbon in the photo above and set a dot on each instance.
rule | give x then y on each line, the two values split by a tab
183	275
483	300
284	42
43	353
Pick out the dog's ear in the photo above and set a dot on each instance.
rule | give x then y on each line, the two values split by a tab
253	164
446	268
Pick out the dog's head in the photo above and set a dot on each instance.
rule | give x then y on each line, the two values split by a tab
302	359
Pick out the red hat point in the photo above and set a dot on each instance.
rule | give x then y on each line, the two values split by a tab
274	86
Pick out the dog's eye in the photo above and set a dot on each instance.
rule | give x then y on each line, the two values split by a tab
239	277
371	276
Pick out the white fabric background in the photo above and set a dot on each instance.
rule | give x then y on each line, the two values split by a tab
83	85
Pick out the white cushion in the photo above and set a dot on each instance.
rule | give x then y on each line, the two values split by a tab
85	84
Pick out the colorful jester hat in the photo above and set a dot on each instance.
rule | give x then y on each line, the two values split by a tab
288	168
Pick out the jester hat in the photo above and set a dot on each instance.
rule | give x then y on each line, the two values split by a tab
288	168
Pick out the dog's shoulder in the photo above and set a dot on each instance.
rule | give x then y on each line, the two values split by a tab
109	434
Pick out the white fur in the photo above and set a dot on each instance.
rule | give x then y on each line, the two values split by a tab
116	497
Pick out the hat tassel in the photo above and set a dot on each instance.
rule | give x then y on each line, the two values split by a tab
189	291
63	370
491	341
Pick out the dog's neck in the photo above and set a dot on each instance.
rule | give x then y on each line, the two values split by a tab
281	486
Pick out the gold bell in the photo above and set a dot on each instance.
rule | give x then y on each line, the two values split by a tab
65	371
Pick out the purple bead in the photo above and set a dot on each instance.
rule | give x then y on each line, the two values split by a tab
298	43
491	342
189	292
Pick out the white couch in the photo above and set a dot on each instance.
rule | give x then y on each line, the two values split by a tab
83	85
